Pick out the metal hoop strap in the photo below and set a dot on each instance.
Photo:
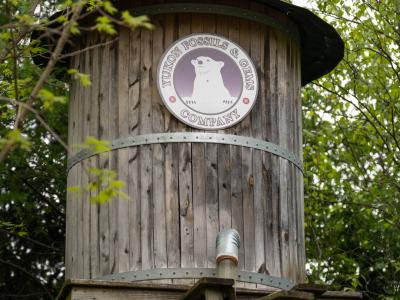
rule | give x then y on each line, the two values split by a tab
225	10
154	274
192	137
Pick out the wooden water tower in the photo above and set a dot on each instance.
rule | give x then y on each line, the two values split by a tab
187	181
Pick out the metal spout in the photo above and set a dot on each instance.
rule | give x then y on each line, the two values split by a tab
228	243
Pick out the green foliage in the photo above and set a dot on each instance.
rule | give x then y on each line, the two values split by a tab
33	176
103	24
103	186
84	79
15	137
95	146
352	154
134	22
49	99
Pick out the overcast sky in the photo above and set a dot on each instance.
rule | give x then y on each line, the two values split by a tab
302	3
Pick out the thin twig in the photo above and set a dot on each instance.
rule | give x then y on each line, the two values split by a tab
30	240
33	277
21	35
39	118
88	48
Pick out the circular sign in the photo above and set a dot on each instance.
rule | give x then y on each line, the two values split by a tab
207	81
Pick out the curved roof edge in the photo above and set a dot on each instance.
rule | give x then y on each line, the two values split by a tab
321	46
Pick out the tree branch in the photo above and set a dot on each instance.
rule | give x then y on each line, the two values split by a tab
76	10
39	118
30	240
33	277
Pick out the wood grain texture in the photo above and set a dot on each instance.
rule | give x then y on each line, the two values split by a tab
171	171
123	154
199	186
93	131
135	261
181	195
85	217
145	126
104	134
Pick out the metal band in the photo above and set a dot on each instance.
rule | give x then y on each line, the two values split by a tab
226	10
193	137
154	274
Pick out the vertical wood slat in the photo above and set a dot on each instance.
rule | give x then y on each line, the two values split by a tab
145	122
211	173
224	165
71	180
273	262
247	175
113	107
181	195
79	170
185	181
258	131
199	186
283	165
160	242
123	154
104	134
171	172
93	131
86	115
292	139
135	261
236	172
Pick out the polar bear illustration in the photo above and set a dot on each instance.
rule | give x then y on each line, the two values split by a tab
209	92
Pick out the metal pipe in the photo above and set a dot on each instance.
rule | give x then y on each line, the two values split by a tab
228	243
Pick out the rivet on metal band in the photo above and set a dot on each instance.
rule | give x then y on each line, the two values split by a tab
176	273
192	137
225	10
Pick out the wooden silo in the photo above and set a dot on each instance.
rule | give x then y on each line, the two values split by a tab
186	184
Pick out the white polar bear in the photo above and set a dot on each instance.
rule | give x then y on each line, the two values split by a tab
209	92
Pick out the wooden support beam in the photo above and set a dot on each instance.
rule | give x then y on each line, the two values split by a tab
289	295
211	289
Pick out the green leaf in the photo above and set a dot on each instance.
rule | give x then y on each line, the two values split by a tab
103	24
95	146
134	22
49	99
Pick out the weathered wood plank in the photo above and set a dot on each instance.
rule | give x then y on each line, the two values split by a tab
135	254
224	166
123	154
258	131
113	127
236	166
94	131
283	164
145	124
299	176
171	172
199	185
79	200
293	147
86	116
273	261
247	175
211	175
160	235
104	158
71	180
185	180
